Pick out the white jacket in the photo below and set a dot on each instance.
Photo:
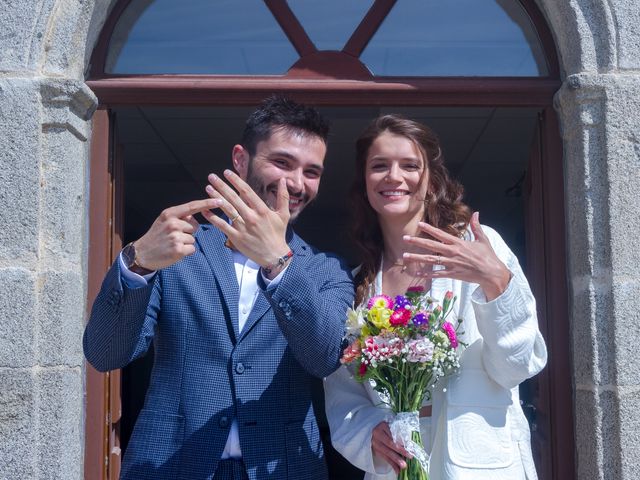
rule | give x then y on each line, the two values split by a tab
477	430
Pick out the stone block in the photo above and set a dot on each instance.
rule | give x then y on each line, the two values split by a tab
589	441
626	311
60	317
64	201
24	26
627	16
67	106
18	313
609	406
18	447
583	32
581	104
66	39
592	328
60	433
19	172
629	426
623	163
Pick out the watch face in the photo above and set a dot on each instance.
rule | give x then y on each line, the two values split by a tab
129	255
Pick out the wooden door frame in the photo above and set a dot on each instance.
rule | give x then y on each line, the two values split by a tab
550	241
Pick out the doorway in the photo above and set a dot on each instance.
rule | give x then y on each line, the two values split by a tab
165	153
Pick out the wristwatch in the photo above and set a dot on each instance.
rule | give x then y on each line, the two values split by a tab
131	261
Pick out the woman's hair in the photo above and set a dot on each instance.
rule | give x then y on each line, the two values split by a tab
444	208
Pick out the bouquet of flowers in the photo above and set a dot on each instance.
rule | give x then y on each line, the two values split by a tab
402	346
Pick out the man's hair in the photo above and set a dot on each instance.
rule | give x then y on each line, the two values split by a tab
281	113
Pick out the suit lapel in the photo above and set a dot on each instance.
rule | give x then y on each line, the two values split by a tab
262	305
220	259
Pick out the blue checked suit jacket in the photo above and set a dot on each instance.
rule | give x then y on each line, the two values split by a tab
206	373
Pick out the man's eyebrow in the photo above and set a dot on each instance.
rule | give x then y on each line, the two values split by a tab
285	154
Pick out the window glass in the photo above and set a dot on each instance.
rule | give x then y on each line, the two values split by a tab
330	23
237	37
456	38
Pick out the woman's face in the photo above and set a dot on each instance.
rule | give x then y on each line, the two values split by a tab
396	177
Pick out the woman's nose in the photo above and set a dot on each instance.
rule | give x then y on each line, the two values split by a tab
394	173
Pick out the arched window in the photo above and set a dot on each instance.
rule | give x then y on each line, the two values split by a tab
407	38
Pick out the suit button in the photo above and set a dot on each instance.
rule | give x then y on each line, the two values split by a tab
223	422
239	368
282	304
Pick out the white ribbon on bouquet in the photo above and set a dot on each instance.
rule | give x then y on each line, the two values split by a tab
402	426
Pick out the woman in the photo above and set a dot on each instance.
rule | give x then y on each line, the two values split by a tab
413	229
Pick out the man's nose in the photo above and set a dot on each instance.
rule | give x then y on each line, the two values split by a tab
295	181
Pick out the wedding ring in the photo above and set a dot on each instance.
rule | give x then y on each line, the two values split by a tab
231	220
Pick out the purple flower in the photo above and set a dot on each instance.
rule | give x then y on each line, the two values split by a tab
420	319
401	302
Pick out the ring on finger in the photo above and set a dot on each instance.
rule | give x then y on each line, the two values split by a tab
235	217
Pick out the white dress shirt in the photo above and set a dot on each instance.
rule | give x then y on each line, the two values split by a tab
247	275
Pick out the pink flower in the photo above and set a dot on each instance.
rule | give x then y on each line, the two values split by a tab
351	352
451	333
380	301
420	350
400	317
447	301
363	369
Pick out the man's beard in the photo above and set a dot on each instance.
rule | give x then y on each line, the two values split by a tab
262	191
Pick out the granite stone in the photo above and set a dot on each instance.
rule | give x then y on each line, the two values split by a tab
60	317
18	341
18	424
60	431
19	172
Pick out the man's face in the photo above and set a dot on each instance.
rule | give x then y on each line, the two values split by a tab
298	157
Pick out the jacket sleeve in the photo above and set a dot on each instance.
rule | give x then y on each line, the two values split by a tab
122	322
310	304
352	416
513	348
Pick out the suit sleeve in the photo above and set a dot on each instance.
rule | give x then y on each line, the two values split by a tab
122	322
513	347
310	304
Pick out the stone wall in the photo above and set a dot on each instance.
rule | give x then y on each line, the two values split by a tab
599	107
45	111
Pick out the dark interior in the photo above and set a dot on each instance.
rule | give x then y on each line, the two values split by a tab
167	153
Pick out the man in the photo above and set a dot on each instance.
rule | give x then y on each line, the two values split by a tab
243	314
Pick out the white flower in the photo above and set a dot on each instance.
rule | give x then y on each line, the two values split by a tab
355	320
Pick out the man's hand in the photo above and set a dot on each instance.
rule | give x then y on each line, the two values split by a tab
255	230
170	238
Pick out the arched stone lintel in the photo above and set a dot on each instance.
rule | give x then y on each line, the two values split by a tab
587	34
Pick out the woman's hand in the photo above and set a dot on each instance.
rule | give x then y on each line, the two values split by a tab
474	262
383	446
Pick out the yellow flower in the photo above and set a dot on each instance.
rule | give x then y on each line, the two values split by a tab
380	317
